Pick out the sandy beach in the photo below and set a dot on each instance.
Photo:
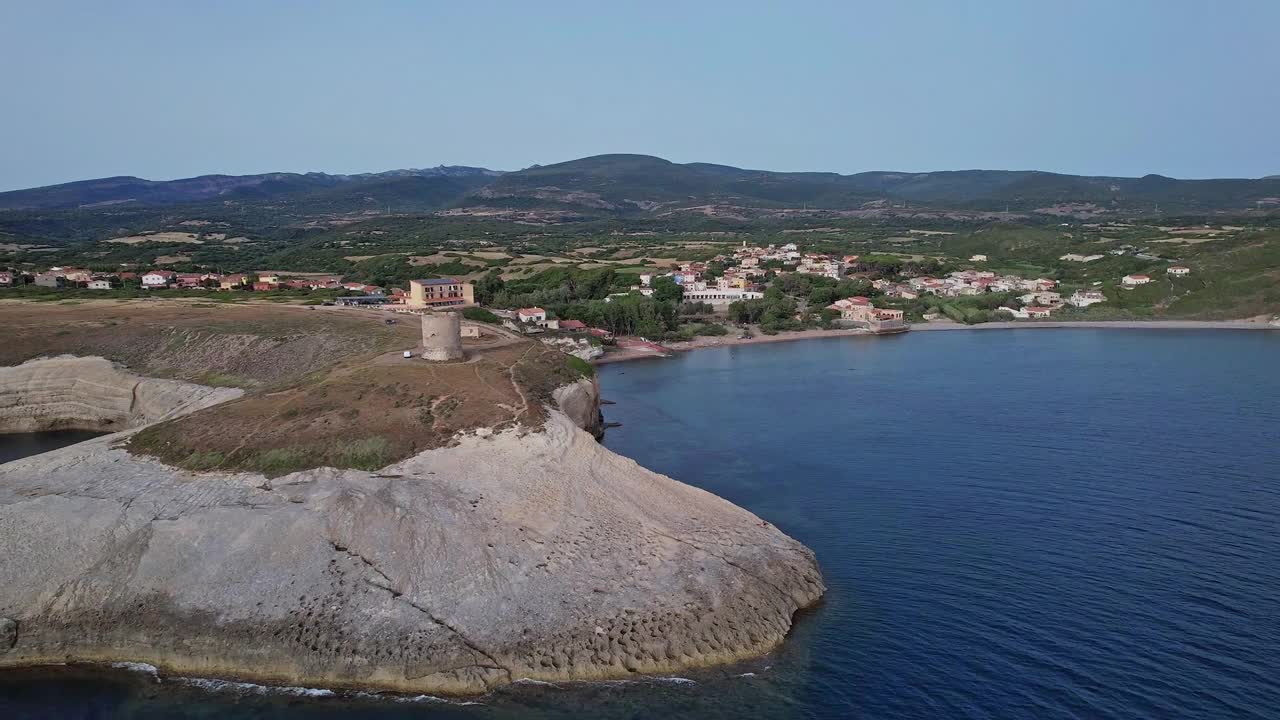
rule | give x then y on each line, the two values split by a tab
625	355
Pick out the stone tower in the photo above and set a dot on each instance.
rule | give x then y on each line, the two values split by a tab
442	336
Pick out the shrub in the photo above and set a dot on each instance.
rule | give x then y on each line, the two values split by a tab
479	314
203	460
367	454
580	366
712	329
281	461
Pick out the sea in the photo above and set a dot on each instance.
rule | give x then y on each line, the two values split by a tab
20	445
1073	524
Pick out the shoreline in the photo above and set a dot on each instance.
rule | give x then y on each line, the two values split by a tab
726	341
1101	325
793	336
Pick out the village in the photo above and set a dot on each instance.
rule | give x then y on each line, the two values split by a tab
724	282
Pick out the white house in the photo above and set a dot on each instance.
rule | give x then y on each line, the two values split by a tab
1178	270
718	296
158	278
99	284
1047	297
1016	313
978	258
1085	298
1133	281
531	314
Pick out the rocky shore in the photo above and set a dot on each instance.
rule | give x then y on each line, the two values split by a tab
512	553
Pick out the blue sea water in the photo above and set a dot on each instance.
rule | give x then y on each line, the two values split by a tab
1012	524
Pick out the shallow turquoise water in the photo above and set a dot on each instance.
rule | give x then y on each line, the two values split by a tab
1048	524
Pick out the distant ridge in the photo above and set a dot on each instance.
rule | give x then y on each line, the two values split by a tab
637	184
139	191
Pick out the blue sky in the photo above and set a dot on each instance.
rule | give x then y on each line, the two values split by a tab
173	89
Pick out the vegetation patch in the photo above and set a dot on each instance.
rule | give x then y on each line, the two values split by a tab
479	314
580	366
214	378
366	414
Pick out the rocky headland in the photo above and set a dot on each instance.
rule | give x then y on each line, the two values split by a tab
483	538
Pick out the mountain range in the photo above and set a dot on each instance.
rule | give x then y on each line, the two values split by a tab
639	184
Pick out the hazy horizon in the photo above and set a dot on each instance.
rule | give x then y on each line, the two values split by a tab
163	91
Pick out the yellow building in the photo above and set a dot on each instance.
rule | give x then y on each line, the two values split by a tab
440	292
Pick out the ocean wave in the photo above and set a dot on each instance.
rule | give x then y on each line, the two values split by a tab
531	681
138	667
244	687
383	697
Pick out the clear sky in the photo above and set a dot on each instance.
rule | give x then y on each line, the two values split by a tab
171	89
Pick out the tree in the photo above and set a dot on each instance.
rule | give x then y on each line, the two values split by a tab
666	289
489	287
823	296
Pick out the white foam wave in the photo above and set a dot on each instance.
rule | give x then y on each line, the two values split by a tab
244	687
531	681
412	698
138	667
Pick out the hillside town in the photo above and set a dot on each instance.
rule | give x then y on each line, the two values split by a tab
720	283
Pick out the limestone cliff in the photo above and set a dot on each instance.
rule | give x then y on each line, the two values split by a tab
581	402
508	555
92	393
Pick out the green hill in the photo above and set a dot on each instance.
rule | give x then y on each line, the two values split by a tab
632	183
624	184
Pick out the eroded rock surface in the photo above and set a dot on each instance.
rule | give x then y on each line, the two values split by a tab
513	555
581	402
92	393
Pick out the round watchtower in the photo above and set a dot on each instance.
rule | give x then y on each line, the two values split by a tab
442	336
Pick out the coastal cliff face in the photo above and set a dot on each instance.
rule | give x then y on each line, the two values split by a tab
509	554
92	393
581	402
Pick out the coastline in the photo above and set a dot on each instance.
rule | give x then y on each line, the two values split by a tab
627	355
725	341
1102	324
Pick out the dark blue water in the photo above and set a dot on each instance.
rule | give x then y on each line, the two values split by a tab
20	445
1013	524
